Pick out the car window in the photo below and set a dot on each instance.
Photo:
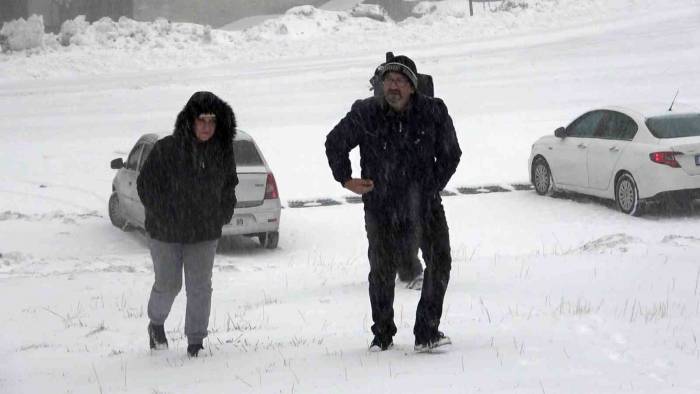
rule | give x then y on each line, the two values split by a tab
617	126
246	154
147	148
586	125
674	126
133	160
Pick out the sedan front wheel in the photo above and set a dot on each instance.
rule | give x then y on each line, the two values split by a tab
542	177
115	213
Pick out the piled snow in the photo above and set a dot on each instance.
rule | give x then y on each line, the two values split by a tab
23	34
371	11
298	23
128	46
127	34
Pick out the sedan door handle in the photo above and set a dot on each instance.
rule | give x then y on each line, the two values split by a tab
614	149
581	146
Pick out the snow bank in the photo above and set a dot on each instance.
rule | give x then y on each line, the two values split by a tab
299	22
131	35
20	34
129	46
371	11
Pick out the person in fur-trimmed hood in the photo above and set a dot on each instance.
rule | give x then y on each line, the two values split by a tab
187	186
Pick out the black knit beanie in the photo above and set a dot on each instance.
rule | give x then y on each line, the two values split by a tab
404	65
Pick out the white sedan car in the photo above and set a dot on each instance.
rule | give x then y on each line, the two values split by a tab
629	155
258	209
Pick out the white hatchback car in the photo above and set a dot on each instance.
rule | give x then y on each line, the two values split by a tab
258	209
629	155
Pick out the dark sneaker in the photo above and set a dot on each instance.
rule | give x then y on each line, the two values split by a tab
379	344
439	341
156	337
193	349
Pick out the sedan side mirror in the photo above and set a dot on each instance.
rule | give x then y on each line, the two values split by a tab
117	164
560	132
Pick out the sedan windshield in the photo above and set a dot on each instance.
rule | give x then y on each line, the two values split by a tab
674	126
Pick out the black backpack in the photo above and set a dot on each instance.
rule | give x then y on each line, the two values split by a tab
425	81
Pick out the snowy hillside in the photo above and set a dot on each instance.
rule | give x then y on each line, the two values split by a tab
546	295
120	46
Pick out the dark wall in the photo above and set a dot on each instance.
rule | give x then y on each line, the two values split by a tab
215	13
56	12
92	9
12	9
96	9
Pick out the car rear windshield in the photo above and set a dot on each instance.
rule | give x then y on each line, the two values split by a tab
246	154
674	126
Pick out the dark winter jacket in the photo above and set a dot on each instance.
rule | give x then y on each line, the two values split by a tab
402	153
186	186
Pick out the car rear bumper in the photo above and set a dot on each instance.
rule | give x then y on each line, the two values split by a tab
660	179
261	219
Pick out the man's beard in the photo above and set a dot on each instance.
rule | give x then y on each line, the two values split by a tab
393	97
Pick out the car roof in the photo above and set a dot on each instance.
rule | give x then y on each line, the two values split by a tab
650	109
153	137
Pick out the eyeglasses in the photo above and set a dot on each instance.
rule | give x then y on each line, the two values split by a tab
400	82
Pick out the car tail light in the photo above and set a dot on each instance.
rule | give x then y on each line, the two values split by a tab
667	158
271	188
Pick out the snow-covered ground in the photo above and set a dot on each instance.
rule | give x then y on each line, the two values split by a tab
546	296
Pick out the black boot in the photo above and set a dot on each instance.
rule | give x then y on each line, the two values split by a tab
193	349
439	340
156	337
380	344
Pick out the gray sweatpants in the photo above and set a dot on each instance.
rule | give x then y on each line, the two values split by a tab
168	262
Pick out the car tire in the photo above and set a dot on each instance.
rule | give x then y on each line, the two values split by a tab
115	214
627	195
269	240
542	177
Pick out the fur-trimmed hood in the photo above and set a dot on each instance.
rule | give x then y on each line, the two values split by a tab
207	102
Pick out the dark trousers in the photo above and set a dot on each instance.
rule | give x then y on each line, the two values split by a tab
408	264
384	234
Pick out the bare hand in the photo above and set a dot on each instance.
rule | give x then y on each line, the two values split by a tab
359	186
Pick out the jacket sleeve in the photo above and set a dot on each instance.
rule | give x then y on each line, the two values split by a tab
228	193
447	151
153	183
344	137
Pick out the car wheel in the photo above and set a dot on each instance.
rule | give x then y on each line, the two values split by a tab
269	240
115	214
627	195
542	177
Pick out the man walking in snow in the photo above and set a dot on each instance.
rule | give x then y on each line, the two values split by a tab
408	152
187	186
